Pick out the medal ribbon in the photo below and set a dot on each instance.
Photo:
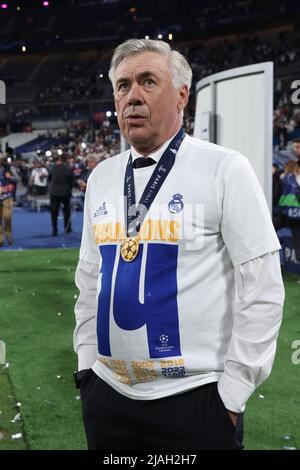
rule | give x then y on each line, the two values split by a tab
135	216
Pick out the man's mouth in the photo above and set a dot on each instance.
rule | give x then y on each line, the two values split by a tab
135	116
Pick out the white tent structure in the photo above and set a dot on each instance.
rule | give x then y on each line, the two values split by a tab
235	109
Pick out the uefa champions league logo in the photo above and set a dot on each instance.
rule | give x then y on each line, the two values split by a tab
164	339
176	204
164	344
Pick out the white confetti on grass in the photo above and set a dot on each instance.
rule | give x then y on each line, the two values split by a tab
289	448
59	314
16	418
18	404
261	396
17	436
58	376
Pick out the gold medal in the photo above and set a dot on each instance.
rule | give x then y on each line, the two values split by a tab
129	249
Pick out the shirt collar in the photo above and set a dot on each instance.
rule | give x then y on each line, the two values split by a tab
155	155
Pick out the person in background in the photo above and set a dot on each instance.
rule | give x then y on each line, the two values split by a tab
288	209
60	191
38	179
8	183
91	162
77	168
296	149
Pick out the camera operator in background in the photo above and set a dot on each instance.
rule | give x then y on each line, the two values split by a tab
8	181
38	179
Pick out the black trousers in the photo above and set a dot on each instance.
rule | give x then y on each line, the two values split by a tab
196	419
39	190
55	202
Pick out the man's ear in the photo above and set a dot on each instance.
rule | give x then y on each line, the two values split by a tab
183	97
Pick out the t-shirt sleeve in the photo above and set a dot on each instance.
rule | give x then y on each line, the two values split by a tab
89	250
246	223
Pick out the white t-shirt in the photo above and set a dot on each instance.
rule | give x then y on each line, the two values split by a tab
39	177
164	321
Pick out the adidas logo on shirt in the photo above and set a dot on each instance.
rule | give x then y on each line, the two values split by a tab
101	210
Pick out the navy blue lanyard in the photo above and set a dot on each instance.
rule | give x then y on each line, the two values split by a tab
135	216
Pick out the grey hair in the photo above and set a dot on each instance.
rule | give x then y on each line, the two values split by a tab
91	157
180	69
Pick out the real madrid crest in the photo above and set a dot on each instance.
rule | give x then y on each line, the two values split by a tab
176	204
129	249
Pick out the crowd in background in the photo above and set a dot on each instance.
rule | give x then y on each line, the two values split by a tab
83	146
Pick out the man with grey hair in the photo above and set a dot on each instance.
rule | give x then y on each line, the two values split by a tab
91	161
175	332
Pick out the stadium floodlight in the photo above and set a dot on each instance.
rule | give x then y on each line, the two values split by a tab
59	151
24	49
48	153
45	4
18	8
115	113
108	113
101	75
170	36
4	6
147	37
159	36
83	145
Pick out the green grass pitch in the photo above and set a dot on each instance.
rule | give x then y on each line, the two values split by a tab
37	297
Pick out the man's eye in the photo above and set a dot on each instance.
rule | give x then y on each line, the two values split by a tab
149	81
122	86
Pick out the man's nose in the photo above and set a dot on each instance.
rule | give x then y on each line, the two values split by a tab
135	97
